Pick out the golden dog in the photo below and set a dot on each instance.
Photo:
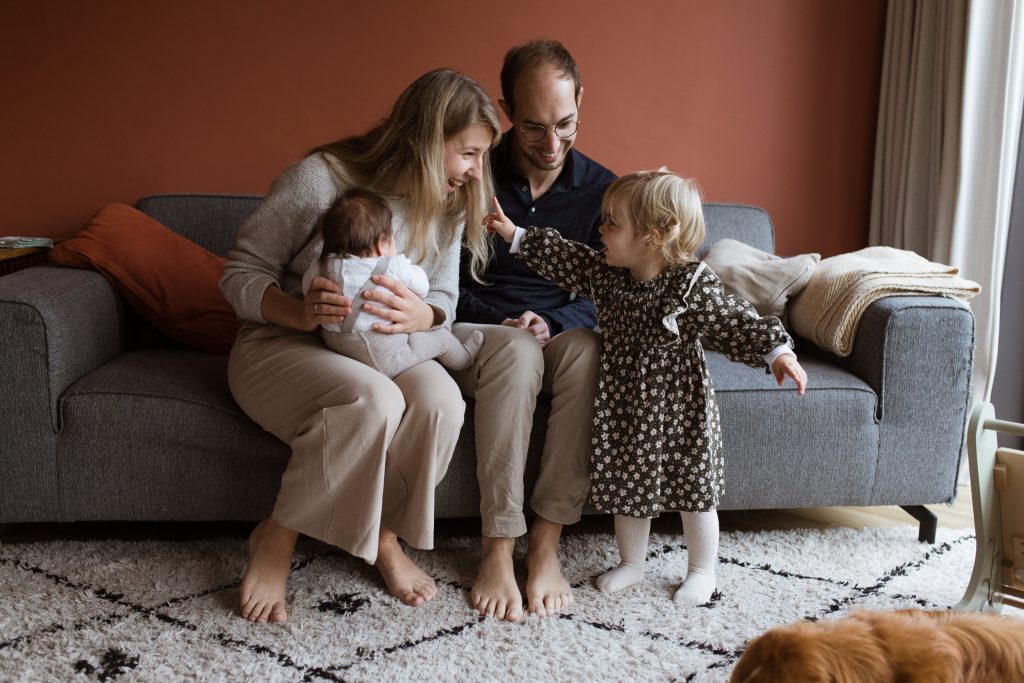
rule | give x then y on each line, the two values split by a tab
911	646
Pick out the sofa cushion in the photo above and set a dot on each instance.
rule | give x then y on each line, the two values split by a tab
155	434
170	281
776	450
765	280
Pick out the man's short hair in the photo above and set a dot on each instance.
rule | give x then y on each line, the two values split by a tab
530	55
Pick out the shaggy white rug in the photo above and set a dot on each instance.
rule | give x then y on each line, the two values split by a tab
166	610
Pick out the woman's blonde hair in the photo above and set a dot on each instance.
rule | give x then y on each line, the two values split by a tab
663	206
406	152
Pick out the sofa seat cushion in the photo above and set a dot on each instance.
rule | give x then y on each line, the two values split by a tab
155	434
768	442
777	454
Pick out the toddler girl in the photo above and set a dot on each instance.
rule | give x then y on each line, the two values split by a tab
359	244
657	442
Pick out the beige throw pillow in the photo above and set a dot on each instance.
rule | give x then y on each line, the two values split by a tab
765	280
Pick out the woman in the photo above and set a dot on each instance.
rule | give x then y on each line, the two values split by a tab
367	451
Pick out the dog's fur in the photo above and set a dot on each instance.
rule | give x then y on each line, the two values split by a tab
889	647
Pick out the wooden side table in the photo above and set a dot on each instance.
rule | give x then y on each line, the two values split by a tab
16	259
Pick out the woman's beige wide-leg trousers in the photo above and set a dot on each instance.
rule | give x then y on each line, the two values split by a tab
367	451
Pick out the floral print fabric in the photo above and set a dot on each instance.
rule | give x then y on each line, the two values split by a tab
657	440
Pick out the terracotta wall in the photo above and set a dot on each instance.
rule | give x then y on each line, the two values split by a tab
768	102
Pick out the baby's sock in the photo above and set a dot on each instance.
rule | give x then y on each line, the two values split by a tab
473	345
631	535
449	351
701	529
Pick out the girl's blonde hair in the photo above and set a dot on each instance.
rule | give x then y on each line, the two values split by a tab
406	152
663	206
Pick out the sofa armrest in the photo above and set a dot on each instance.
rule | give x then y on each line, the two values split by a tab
917	353
57	324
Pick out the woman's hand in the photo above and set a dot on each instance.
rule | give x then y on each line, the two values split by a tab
786	365
399	304
322	304
498	222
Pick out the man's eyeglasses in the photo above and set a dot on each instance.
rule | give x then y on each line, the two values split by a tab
536	133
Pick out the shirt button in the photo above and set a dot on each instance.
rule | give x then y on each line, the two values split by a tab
533	209
525	188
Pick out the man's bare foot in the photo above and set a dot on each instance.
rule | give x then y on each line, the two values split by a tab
270	558
547	591
495	592
404	580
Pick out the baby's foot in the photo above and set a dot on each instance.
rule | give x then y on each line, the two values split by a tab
623	576
697	589
473	345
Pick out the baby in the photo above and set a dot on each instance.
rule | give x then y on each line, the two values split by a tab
359	244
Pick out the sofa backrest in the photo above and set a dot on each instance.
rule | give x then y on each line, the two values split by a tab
212	220
209	220
748	224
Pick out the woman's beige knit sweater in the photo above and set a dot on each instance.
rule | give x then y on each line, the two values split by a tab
279	241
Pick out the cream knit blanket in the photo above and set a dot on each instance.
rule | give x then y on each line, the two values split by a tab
830	307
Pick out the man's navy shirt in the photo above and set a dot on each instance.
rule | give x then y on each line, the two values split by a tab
573	207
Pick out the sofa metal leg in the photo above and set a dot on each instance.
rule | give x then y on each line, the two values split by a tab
929	522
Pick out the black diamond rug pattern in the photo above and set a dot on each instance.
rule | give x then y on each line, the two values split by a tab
113	610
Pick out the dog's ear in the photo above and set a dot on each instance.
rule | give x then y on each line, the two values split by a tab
749	668
841	651
783	655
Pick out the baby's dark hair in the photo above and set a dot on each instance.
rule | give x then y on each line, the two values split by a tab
355	224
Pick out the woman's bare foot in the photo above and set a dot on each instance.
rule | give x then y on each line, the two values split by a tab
270	558
404	580
495	592
547	591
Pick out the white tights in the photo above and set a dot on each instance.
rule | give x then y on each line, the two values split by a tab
631	534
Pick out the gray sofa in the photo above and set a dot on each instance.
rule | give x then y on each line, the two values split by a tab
102	419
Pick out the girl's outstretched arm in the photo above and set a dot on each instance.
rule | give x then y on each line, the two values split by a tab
568	264
731	325
498	222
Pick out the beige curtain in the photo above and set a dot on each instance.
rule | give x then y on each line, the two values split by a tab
946	149
917	145
949	125
990	135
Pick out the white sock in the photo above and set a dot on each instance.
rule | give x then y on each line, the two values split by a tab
701	529
631	535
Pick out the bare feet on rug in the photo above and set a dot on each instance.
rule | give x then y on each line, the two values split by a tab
547	591
404	580
270	558
495	592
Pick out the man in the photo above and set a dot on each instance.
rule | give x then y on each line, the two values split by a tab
538	337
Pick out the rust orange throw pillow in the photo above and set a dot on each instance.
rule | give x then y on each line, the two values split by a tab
169	280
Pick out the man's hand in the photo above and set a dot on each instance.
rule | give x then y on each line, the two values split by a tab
532	323
498	222
786	365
